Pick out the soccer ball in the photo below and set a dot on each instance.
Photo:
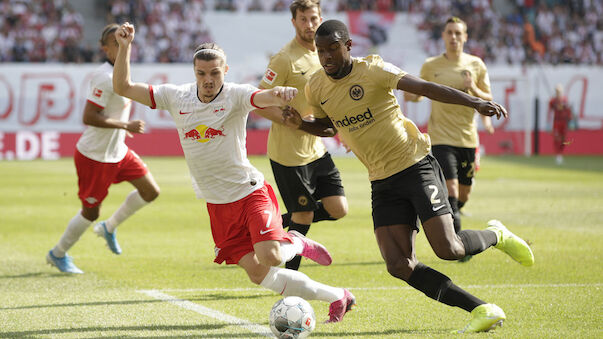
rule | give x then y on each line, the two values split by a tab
292	317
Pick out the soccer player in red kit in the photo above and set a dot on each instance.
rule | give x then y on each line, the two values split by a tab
562	114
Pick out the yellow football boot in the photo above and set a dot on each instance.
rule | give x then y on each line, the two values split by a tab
485	318
511	244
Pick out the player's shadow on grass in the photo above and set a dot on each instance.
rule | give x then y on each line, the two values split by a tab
58	331
133	302
377	334
215	296
36	275
92	303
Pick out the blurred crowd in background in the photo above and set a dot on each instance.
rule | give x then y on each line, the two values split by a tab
502	32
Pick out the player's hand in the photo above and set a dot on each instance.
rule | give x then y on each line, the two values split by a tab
291	117
411	97
467	80
125	34
490	109
135	126
285	94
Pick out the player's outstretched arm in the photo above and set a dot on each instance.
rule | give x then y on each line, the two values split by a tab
122	84
322	127
449	95
276	96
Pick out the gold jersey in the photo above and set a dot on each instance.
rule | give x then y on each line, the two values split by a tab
363	108
450	124
292	66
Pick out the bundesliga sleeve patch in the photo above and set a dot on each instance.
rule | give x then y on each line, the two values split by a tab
269	76
97	92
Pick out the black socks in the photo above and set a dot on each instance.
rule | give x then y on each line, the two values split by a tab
477	241
439	287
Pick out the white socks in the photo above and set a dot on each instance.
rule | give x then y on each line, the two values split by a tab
289	282
290	250
132	204
76	227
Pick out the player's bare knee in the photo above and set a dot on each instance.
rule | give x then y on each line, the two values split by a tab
90	214
304	217
256	277
269	258
400	268
450	251
339	211
150	195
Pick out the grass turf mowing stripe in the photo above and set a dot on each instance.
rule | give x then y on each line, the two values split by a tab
208	312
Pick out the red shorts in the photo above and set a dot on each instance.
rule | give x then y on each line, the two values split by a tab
238	225
94	178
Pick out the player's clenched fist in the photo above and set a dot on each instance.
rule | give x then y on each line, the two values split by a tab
286	94
125	33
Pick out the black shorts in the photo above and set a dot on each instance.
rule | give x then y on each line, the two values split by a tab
302	186
456	162
418	191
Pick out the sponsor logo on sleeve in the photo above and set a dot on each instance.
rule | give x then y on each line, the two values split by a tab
97	92
269	76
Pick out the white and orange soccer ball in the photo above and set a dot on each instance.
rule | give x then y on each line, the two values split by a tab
292	317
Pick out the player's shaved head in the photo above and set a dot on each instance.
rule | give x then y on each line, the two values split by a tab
334	28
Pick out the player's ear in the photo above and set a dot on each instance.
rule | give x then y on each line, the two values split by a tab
348	44
225	68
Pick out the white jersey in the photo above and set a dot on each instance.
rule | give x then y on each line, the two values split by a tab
212	136
105	144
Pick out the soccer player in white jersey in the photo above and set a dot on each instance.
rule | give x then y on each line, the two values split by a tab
246	224
102	158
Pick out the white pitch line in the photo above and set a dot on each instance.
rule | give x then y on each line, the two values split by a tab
257	289
252	327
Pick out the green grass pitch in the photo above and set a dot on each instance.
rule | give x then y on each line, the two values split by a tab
165	284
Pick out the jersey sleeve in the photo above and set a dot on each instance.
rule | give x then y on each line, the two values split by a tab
163	96
277	72
244	97
386	74
483	80
425	71
312	101
101	90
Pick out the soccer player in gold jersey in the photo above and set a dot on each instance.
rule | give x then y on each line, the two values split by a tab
452	128
305	174
355	97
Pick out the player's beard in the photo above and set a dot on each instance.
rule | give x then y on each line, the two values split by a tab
306	36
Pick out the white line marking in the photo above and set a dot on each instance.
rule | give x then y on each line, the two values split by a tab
252	327
256	289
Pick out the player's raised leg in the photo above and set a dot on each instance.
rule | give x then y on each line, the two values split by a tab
396	243
289	282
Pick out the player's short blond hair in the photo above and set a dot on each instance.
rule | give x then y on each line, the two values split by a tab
304	5
109	29
456	20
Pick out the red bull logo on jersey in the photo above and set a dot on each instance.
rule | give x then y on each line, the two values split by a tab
203	133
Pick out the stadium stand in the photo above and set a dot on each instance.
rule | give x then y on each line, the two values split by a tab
502	32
